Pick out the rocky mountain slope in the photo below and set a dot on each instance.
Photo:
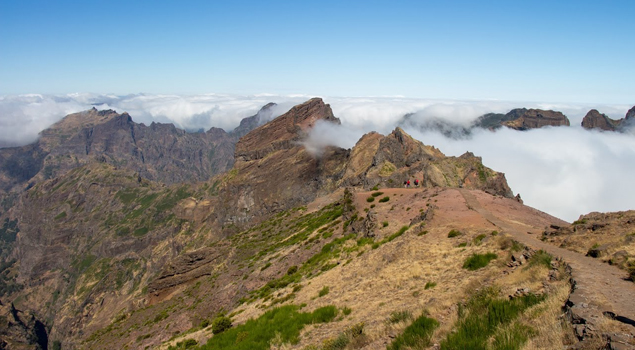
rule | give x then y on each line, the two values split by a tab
159	152
105	256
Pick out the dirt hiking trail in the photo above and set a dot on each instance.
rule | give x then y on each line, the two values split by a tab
599	287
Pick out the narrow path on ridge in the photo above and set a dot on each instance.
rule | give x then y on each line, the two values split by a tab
600	285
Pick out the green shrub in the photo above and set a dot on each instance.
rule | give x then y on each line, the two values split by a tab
416	335
221	324
430	285
494	233
384	224
376	194
454	233
375	188
346	310
384	199
370	199
324	291
462	244
477	261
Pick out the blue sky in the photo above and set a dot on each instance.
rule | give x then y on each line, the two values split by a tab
560	51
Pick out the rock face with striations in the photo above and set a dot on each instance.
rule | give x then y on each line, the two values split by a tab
596	120
537	118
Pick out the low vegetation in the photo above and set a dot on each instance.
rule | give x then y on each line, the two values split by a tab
478	261
283	323
454	233
417	335
483	317
384	199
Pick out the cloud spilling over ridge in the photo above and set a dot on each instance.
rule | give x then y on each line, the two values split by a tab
563	171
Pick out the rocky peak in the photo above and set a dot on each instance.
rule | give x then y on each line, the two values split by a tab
284	131
537	118
250	123
596	120
630	114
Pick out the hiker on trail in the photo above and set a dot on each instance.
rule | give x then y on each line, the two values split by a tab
408	183
405	184
416	182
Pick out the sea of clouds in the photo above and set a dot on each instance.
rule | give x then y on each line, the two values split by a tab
562	171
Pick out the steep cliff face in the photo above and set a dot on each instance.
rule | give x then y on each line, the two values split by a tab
274	171
158	152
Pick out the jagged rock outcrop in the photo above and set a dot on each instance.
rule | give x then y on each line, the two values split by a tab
21	330
537	118
596	120
391	160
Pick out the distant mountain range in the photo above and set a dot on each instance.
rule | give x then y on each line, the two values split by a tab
518	119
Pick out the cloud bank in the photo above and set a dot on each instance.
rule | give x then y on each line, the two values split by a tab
562	171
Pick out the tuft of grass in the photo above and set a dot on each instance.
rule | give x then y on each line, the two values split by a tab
346	310
417	335
580	222
494	233
376	194
399	316
478	261
283	322
60	216
422	233
324	291
384	224
384	199
478	239
513	337
454	233
430	285
541	258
